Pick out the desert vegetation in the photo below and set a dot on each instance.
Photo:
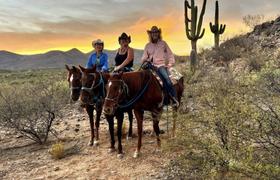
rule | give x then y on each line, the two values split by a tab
30	108
229	123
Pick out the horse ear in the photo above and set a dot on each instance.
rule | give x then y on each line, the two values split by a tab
67	67
74	68
82	68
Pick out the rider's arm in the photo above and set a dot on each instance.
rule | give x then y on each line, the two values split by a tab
170	56
105	66
90	62
145	56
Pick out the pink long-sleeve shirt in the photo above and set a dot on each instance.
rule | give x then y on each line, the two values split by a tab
160	53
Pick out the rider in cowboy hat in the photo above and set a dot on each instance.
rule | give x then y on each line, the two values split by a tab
160	55
125	54
98	58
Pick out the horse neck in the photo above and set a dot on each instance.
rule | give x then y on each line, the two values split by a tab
136	81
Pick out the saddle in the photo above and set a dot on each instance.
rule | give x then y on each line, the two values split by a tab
174	76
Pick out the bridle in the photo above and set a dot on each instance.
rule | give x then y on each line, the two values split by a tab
124	89
73	87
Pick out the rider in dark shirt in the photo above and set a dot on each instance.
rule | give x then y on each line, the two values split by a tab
125	54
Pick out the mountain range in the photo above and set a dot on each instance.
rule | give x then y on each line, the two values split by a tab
53	59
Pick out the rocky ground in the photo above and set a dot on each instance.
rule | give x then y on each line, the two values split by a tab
22	159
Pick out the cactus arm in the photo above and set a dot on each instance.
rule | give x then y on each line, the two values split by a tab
202	34
201	17
187	6
222	29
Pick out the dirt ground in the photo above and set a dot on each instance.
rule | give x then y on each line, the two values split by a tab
22	159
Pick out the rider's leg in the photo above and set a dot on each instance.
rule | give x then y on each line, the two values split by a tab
163	73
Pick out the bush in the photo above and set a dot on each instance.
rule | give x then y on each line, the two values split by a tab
232	129
57	150
31	109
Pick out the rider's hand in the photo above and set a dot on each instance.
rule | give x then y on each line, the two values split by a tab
117	68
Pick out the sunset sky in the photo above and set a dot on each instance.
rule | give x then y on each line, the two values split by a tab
37	26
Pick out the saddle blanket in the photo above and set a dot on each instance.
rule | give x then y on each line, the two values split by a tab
174	76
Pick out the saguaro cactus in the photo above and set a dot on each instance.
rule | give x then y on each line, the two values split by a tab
217	28
193	28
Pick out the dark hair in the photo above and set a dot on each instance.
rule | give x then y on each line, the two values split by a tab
125	37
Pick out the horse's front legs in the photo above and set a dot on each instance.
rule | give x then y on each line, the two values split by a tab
110	120
89	110
139	117
97	123
120	116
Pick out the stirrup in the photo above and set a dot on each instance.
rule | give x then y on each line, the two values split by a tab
176	103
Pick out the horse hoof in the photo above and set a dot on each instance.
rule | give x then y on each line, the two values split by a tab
120	156
96	143
90	143
111	150
136	154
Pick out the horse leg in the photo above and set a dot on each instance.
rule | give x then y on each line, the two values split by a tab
120	116
155	117
130	118
139	117
97	123
89	110
110	120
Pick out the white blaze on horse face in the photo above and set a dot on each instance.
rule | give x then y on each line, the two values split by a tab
110	84
71	78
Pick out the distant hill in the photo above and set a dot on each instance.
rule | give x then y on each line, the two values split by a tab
52	59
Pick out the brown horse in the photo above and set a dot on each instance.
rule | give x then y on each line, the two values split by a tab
75	83
93	89
141	91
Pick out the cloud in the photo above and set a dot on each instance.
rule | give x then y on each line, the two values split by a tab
29	25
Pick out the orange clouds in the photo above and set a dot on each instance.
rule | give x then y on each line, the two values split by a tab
66	35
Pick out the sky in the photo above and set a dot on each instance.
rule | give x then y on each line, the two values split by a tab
37	26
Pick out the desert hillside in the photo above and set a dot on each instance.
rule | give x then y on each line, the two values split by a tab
52	59
228	124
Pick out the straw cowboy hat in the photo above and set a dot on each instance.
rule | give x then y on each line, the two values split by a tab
154	29
98	41
125	37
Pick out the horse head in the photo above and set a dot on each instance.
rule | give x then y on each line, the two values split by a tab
90	82
117	91
74	79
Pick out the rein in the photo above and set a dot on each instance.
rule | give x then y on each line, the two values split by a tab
133	100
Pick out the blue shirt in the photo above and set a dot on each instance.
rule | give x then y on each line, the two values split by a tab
101	65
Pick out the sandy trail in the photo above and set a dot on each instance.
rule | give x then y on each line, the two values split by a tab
20	159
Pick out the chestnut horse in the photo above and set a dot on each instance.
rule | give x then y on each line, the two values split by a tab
93	89
75	83
141	91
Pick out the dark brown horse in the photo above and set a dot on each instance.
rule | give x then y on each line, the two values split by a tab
74	78
93	89
141	91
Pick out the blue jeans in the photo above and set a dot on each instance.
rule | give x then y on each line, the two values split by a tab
167	84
